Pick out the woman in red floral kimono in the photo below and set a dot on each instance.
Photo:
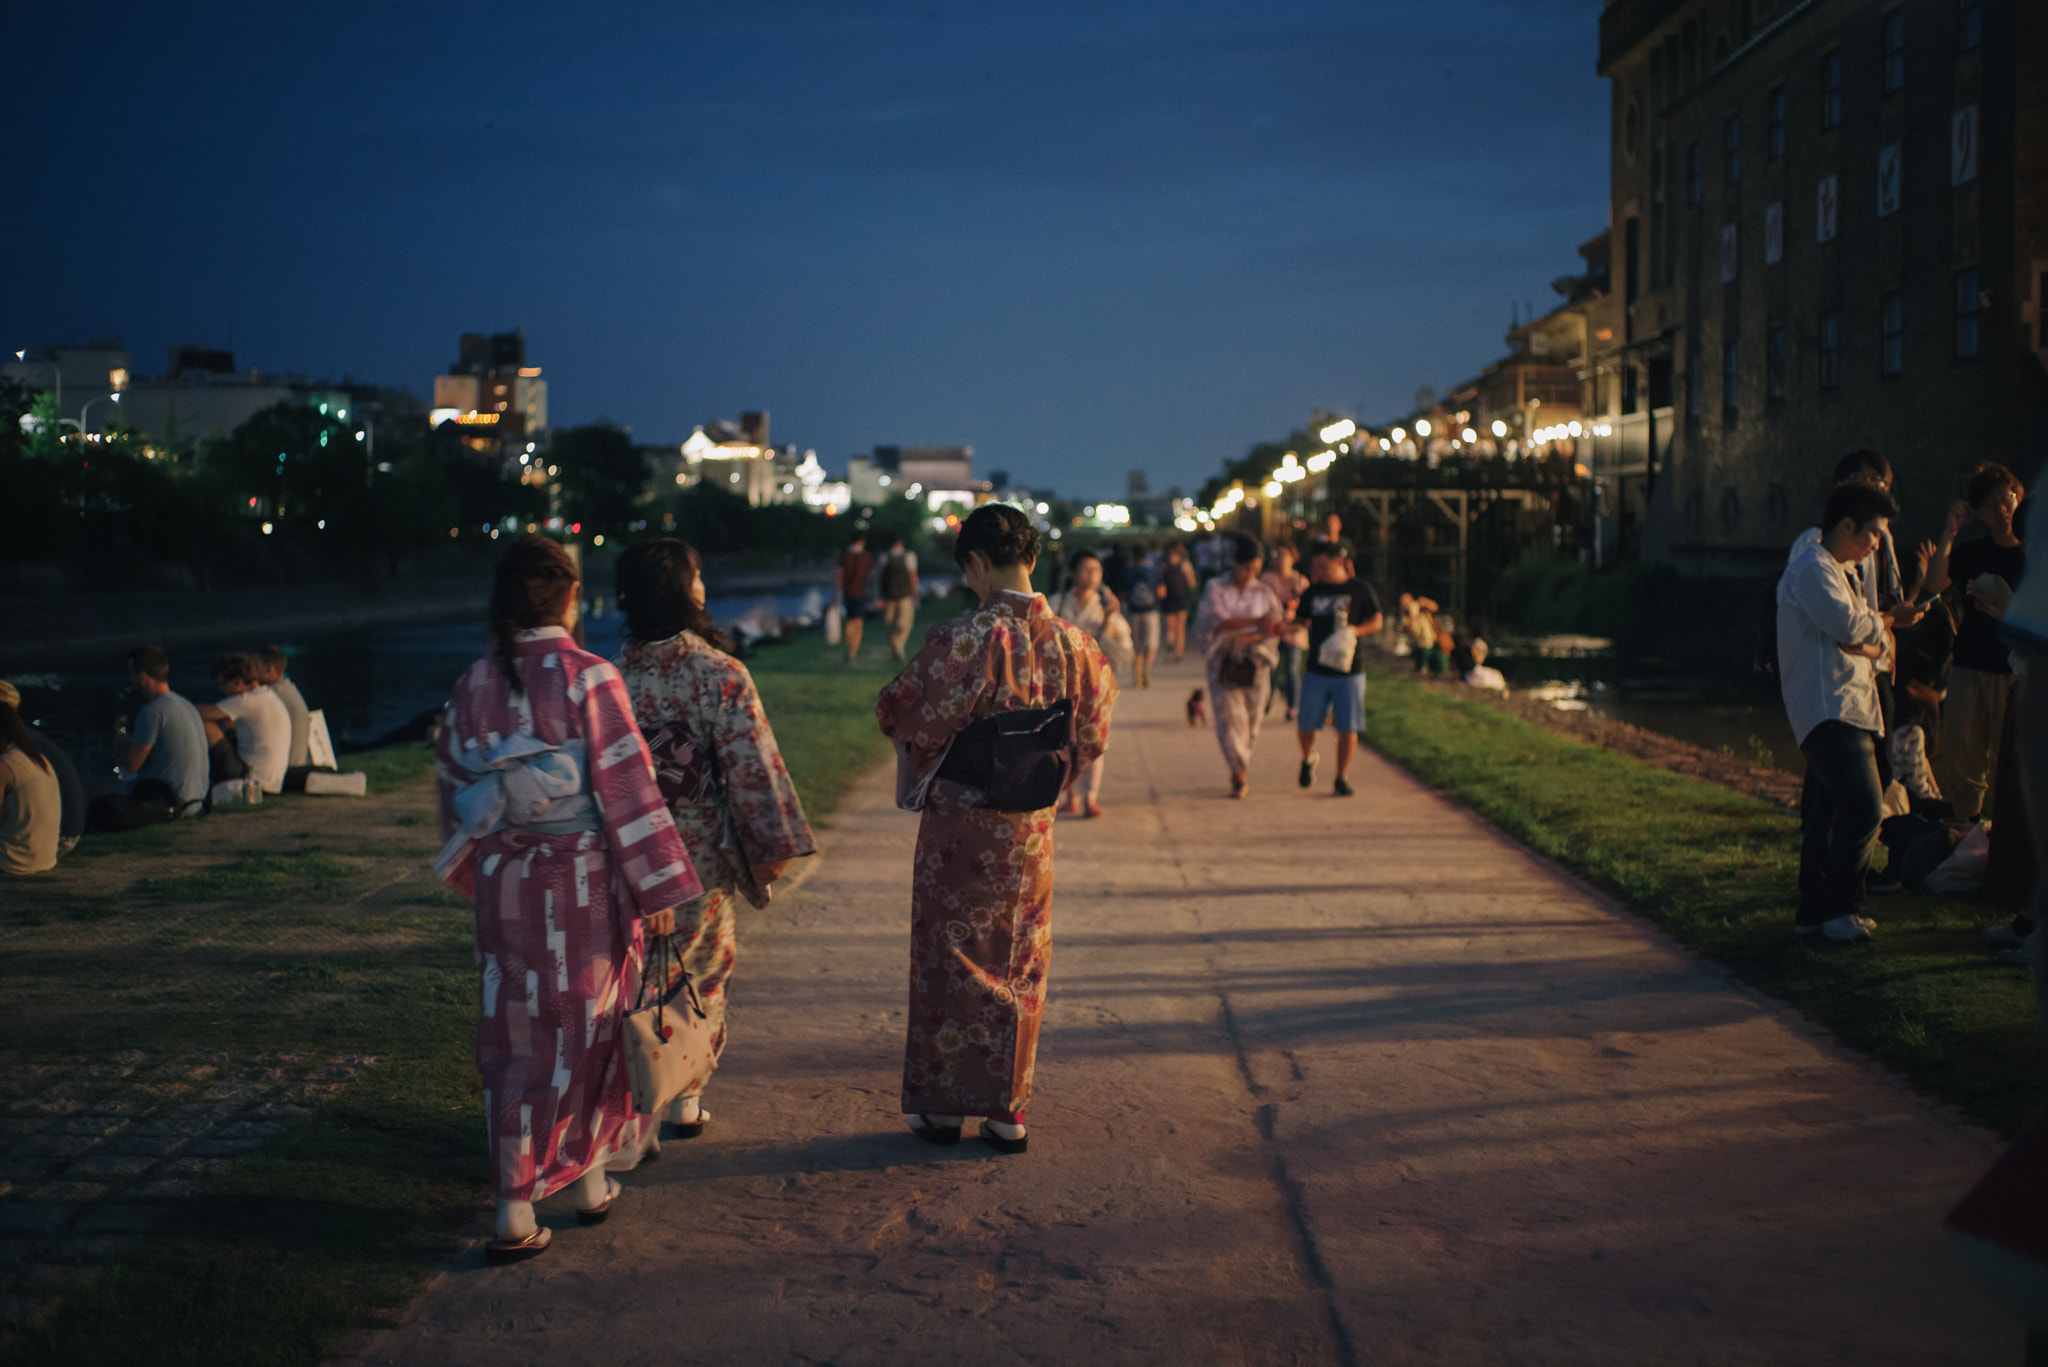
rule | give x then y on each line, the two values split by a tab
981	894
554	824
716	760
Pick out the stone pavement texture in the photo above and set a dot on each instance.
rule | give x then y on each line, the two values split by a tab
1322	1081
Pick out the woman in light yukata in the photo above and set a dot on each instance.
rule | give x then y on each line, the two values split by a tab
555	825
716	760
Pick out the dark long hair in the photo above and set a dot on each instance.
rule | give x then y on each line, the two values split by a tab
526	592
15	731
655	582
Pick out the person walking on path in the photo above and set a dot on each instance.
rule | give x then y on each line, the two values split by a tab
1287	584
1980	680
981	895
1177	582
1085	603
716	760
1333	690
1829	637
1236	625
899	595
1141	608
855	564
555	826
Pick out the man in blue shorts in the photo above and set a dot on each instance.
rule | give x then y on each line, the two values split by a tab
1333	686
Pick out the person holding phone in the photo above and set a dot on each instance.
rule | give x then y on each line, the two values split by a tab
1980	678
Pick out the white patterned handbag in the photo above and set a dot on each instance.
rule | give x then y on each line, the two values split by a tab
668	1041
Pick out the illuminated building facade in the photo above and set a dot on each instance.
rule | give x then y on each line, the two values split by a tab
1830	230
496	401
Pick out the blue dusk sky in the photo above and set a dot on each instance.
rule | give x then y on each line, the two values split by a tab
1082	238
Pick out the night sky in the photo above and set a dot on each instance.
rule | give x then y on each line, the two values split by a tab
1079	237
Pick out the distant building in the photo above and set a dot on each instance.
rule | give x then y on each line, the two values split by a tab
1830	231
495	399
939	475
738	457
77	373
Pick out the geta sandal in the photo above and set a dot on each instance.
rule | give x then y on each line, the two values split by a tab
500	1252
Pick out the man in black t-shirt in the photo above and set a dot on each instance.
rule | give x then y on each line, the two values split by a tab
1980	681
1333	686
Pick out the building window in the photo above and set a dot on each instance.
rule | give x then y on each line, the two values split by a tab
1969	313
1731	147
1730	368
1831	89
1830	349
1895	51
1892	333
1970	25
1774	364
1692	382
1692	173
1776	137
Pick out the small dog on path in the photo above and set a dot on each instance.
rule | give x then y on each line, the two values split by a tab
1195	708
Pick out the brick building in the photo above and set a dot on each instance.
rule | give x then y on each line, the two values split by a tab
1830	230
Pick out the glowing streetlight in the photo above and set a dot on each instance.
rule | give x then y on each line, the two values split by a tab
1338	430
1468	436
1399	434
1422	427
1500	429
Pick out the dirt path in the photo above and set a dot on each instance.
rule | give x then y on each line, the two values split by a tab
1322	1082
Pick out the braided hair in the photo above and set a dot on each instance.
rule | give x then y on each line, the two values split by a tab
655	581
527	589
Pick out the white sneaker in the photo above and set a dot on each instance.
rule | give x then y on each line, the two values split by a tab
1842	928
2005	935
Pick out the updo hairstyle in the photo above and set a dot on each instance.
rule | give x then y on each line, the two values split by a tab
528	587
1001	533
655	582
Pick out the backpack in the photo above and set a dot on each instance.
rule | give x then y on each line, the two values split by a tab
896	581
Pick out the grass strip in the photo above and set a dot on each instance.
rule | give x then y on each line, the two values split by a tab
1718	870
338	1220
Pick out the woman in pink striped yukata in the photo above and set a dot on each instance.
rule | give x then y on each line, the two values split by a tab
555	825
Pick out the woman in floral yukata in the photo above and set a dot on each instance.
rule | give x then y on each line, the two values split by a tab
981	893
555	825
720	771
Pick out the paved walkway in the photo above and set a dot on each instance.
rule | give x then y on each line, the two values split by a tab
1322	1082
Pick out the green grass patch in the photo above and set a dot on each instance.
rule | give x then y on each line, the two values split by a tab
310	924
1718	871
253	877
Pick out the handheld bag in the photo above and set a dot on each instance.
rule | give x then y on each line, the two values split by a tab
1337	650
668	1042
1019	759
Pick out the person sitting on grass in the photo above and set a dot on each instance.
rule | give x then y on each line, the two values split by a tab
248	732
1829	636
166	772
270	663
31	799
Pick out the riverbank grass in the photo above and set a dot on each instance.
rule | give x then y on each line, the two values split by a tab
290	975
1718	870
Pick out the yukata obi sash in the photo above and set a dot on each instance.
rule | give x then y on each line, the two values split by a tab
520	783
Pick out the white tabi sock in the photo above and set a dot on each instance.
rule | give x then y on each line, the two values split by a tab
1004	1129
515	1220
937	1122
686	1110
592	1189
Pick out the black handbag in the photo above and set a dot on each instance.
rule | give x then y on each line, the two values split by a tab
1239	670
1019	759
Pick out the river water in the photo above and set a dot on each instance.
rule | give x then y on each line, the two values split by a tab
1726	711
368	681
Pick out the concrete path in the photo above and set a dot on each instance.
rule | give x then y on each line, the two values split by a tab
1322	1081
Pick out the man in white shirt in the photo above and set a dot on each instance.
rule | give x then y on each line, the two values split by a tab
1829	636
251	719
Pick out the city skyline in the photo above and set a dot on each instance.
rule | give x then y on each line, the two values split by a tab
1081	245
